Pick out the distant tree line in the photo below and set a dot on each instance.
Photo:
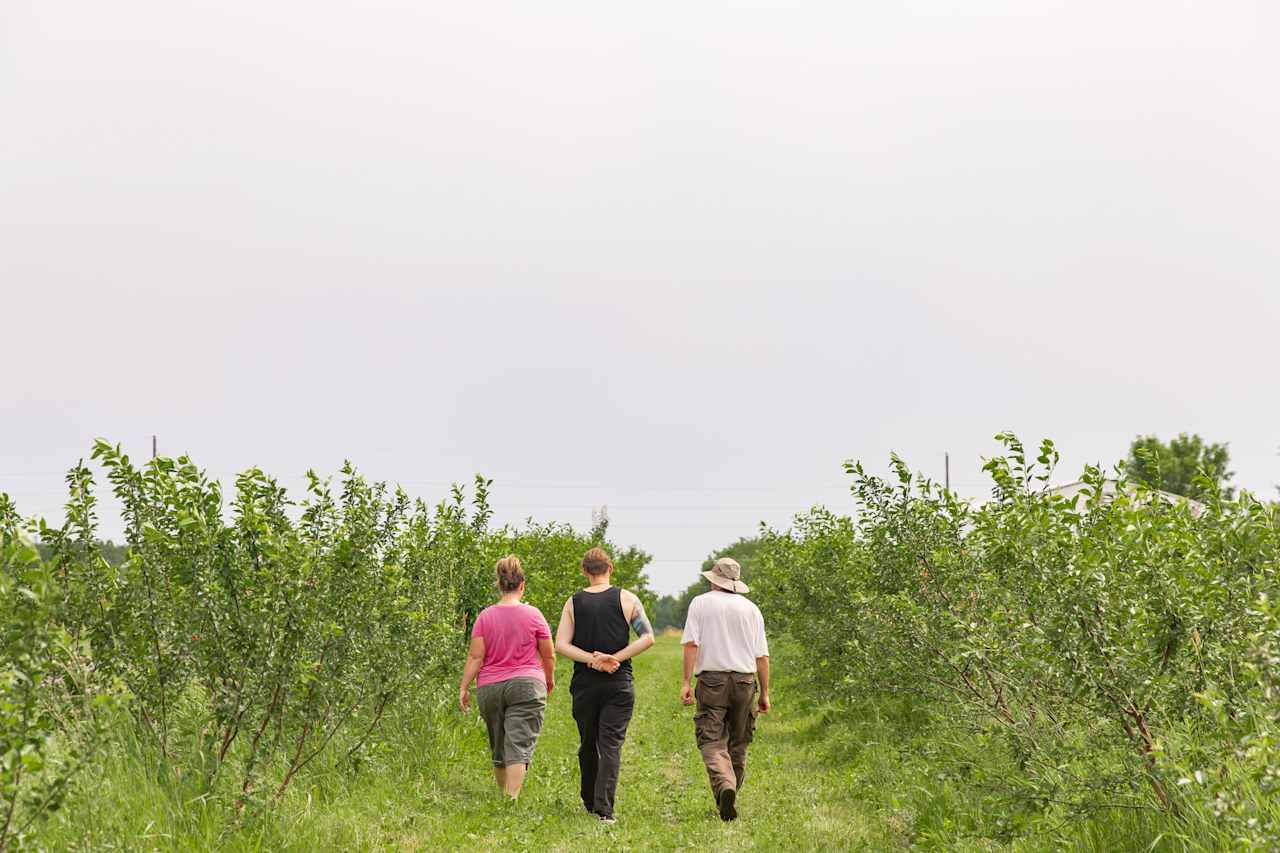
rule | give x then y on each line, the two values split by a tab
114	554
1186	465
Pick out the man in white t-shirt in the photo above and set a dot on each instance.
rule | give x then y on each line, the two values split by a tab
725	646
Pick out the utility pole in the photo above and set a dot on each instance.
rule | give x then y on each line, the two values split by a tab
600	520
153	447
946	475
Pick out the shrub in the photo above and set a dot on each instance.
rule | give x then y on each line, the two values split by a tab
250	635
1073	636
48	698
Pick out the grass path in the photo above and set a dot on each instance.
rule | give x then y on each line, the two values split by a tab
862	784
792	799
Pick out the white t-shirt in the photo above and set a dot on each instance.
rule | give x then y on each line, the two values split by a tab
729	631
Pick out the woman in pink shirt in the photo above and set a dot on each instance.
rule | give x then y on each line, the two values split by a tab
513	663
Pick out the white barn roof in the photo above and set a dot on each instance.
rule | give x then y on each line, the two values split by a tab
1111	488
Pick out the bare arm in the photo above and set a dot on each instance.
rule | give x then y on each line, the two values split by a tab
475	658
548	655
640	624
762	671
564	637
690	659
762	663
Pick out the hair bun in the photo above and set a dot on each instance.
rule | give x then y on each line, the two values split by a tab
510	574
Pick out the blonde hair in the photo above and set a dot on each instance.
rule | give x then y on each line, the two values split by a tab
596	562
510	573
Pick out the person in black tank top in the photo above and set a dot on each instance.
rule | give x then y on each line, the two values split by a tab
599	624
595	633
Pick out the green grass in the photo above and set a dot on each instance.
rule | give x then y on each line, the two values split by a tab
820	777
432	789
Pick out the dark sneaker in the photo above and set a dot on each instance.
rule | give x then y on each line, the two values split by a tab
608	819
728	797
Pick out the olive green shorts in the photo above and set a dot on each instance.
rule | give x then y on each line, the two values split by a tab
512	712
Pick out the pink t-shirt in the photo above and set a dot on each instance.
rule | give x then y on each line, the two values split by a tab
511	634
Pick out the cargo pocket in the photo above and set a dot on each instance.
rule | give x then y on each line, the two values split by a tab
713	683
702	725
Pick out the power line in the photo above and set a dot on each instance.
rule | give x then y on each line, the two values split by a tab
504	484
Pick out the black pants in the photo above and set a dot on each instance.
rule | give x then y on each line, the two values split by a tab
602	712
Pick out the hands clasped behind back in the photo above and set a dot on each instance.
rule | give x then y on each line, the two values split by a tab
604	662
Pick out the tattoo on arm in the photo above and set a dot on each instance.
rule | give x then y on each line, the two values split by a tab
640	622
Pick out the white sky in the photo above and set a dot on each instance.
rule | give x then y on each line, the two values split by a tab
682	259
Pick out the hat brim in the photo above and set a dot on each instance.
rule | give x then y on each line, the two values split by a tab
725	583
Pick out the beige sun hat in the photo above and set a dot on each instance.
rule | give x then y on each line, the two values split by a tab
725	574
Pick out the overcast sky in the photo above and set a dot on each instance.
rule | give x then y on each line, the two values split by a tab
681	259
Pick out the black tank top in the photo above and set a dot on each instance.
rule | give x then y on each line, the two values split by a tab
599	625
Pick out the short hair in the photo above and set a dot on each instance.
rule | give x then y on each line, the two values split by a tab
596	562
510	573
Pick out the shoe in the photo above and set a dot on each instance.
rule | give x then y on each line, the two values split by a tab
728	797
608	819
